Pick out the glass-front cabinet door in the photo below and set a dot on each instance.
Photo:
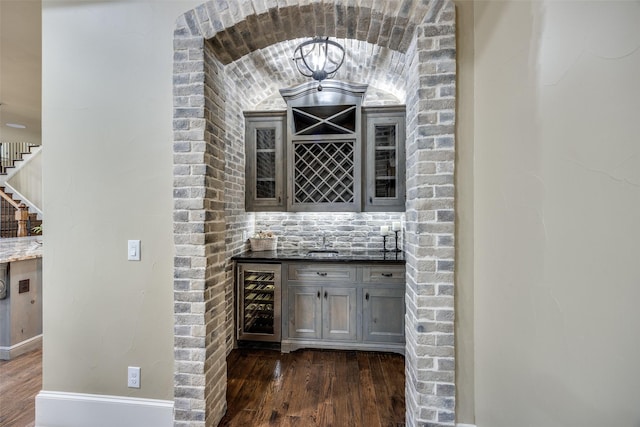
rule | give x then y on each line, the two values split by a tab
385	180
264	169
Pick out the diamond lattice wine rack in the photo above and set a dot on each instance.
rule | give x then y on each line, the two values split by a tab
324	159
324	172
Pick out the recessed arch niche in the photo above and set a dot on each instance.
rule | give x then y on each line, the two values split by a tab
231	56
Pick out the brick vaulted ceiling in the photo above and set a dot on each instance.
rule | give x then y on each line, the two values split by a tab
256	40
388	23
272	68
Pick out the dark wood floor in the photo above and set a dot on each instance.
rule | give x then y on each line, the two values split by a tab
314	388
305	388
20	381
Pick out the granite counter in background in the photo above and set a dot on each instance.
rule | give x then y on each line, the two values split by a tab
20	248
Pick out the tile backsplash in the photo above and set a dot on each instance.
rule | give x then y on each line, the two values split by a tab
343	230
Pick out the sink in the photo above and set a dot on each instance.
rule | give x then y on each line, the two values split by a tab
322	253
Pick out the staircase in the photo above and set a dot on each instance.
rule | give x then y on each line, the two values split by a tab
13	156
8	222
13	152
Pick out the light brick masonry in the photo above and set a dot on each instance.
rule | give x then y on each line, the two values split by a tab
231	56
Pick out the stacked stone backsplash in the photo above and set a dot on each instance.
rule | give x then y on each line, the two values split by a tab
343	230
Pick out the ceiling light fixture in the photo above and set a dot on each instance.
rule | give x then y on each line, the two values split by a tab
319	58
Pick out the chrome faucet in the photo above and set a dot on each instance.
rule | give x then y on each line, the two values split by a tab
324	240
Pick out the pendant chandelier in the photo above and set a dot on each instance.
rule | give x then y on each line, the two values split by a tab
319	58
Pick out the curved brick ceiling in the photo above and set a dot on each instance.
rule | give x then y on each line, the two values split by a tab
240	27
271	68
256	39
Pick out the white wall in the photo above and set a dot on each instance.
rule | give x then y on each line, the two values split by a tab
107	175
557	203
464	275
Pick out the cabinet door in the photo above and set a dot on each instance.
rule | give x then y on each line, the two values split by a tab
339	315
264	169
305	312
383	315
385	153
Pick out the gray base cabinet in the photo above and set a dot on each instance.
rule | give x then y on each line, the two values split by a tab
339	314
383	315
317	312
305	312
349	307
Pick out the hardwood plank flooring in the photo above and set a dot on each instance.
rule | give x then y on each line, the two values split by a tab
266	388
308	388
20	381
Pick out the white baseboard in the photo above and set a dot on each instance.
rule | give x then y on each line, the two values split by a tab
8	353
54	409
465	425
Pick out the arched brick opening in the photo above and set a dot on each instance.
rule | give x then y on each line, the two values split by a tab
228	56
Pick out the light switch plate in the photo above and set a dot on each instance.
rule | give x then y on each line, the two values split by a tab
133	250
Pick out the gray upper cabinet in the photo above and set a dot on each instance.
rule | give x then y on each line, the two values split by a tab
265	161
326	153
324	142
385	159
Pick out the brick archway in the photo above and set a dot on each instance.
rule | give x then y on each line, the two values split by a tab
413	44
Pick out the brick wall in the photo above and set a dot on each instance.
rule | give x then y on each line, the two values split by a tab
430	355
357	231
234	55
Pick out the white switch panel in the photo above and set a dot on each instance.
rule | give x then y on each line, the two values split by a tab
133	250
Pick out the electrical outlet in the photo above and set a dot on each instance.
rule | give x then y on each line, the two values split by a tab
133	377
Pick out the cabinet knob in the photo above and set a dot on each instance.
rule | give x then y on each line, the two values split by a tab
321	273
318	294
325	294
387	274
370	199
367	296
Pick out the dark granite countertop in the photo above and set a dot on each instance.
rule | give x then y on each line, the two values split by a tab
343	256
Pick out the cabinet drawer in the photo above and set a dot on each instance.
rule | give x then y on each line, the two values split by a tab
321	273
383	274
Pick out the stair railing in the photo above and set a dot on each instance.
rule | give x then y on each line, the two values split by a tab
21	214
11	152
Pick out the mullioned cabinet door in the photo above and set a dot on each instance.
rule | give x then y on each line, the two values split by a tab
265	161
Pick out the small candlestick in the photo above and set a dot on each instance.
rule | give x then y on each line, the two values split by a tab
397	249
384	230
396	226
384	243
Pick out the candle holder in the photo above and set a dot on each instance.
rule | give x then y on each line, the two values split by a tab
384	244
397	249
